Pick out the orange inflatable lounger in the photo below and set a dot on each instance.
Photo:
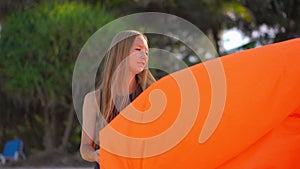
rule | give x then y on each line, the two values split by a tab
240	111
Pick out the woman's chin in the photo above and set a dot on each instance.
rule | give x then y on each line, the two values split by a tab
139	71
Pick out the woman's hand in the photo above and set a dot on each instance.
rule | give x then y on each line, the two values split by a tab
96	155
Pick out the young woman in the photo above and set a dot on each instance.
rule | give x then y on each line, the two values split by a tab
124	76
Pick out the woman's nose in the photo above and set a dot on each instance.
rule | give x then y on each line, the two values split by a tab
144	54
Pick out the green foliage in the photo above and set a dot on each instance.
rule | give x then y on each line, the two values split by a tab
238	10
39	47
114	3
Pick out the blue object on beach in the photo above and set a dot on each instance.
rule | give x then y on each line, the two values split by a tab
13	149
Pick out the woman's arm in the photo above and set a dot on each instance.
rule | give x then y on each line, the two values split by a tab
89	114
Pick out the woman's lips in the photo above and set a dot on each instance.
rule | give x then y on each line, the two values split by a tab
141	63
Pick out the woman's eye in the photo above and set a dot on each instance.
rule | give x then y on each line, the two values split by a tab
138	49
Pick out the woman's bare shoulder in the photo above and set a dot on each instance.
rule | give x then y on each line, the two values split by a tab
92	98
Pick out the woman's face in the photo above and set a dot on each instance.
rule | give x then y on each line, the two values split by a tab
138	55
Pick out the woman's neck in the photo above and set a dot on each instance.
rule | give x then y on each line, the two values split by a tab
132	83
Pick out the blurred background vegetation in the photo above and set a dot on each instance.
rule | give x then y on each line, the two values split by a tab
40	41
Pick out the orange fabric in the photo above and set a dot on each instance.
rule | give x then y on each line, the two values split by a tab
259	125
280	148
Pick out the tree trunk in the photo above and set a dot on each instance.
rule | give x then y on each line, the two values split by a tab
47	135
215	33
49	128
296	16
68	128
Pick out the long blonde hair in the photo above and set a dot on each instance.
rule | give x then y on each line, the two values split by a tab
114	73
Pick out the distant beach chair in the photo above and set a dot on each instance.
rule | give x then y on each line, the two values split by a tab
13	150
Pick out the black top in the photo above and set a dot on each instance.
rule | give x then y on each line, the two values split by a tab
115	111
